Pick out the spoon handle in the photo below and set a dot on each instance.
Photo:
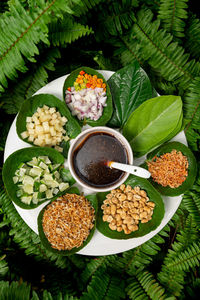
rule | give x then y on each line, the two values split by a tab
141	172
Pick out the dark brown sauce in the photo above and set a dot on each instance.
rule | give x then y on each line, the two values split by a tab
91	156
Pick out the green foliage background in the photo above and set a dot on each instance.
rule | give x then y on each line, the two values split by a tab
42	40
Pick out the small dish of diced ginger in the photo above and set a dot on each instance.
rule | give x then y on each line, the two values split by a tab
46	128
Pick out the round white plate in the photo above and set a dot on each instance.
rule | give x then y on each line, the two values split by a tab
99	245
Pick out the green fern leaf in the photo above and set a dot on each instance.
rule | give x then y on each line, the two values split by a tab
192	203
192	34
135	291
142	256
172	14
82	7
21	31
67	31
189	258
173	280
191	108
144	286
128	49
3	267
14	291
161	53
110	288
35	78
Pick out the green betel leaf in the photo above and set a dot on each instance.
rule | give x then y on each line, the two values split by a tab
29	107
13	162
192	168
93	201
107	110
144	228
153	122
130	86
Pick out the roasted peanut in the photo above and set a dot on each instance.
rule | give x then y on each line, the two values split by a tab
112	227
105	218
122	187
124	208
109	219
113	209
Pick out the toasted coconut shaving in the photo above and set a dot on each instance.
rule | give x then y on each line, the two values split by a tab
169	169
68	221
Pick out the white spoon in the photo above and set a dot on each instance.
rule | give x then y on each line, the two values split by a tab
138	171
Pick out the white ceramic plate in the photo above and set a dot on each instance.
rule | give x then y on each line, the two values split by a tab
99	245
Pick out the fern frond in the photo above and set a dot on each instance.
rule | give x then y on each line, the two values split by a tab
191	109
144	286
110	288
173	280
128	49
14	291
21	31
189	258
82	7
192	203
142	256
161	53
135	291
35	78
172	14
3	267
92	267
67	31
192	34
116	17
25	237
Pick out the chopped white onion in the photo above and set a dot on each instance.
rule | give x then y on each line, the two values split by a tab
86	103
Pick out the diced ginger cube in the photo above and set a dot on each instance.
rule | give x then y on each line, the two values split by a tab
52	131
52	122
28	119
58	127
54	116
64	119
48	141
45	107
39	110
52	110
39	129
66	138
24	134
44	118
45	126
31	138
37	142
31	131
30	125
47	136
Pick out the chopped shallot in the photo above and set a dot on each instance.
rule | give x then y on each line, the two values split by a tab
86	103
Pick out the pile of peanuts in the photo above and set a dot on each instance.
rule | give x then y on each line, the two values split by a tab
123	208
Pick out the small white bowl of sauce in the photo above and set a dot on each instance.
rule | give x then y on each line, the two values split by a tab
88	156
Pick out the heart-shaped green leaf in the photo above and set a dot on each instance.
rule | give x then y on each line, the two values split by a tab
30	106
192	168
130	86
93	201
153	123
107	111
144	228
21	156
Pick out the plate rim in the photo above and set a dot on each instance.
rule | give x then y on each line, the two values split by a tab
90	249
